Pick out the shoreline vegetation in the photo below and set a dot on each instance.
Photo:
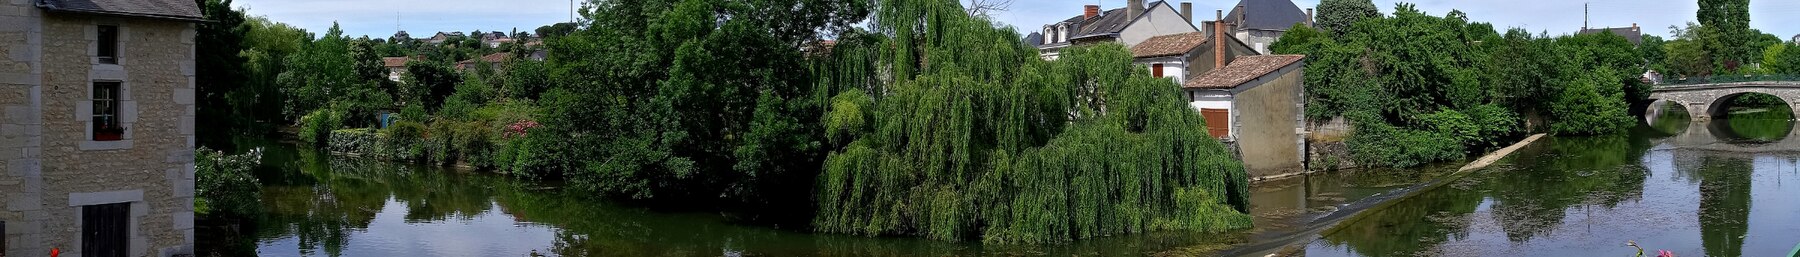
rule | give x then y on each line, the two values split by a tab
928	122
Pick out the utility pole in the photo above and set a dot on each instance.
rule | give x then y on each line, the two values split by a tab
1584	16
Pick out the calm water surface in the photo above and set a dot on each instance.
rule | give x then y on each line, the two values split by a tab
1730	187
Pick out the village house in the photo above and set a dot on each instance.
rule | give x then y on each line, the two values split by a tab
396	66
1184	56
440	37
1256	103
494	39
1130	25
97	127
494	59
1633	33
1260	22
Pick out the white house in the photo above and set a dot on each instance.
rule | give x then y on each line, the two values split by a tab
1260	22
1130	25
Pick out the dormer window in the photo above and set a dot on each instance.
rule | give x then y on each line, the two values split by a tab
108	46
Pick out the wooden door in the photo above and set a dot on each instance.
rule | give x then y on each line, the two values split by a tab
1218	122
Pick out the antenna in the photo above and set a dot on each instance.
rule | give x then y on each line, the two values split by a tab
1584	15
571	11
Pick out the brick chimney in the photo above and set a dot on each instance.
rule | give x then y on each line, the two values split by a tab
1133	9
1309	17
1219	39
1634	27
1187	11
1089	11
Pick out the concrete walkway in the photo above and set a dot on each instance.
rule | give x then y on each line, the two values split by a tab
1495	156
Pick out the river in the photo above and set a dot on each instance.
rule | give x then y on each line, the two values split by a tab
1723	188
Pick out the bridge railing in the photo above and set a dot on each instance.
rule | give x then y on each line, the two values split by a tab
1676	80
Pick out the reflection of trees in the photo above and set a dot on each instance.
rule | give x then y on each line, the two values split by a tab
1724	205
344	195
1754	128
1406	227
1530	196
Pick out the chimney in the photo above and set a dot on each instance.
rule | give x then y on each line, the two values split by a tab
1241	13
1219	39
1634	27
1089	11
1133	9
1309	17
1187	11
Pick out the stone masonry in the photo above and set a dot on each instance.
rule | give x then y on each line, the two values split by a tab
52	168
1706	100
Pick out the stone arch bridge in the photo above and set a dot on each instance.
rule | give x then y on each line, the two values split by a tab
1703	101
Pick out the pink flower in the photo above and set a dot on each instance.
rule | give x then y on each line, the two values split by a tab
1664	253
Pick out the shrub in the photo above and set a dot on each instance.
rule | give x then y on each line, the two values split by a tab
360	141
474	143
402	141
316	126
224	185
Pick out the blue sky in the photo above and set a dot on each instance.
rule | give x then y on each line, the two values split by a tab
423	17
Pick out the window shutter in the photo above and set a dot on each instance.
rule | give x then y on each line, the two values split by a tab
1157	69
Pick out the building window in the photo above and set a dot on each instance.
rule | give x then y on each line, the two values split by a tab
109	44
1156	69
103	229
106	112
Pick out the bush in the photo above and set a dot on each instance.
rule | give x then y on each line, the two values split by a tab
316	126
360	141
224	185
474	143
401	141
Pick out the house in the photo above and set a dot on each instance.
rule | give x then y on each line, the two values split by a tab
400	37
1130	25
440	37
1796	40
494	39
97	127
1184	56
396	66
1260	22
1633	34
495	59
1256	103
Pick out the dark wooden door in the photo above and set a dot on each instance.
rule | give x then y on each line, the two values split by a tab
103	229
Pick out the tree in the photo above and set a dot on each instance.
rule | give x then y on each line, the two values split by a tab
556	30
428	83
1336	16
220	74
1730	19
1688	55
267	44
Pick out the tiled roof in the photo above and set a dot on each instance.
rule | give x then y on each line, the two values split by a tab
494	58
1267	14
1166	45
164	9
1630	34
394	61
1243	69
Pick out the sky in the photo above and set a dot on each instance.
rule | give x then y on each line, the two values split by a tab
421	18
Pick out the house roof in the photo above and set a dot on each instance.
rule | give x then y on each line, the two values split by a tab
1166	45
1034	39
1630	34
161	9
1267	14
391	62
490	58
1241	70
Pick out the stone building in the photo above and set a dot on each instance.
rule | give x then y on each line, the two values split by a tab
1256	103
97	127
1129	25
1260	22
1181	57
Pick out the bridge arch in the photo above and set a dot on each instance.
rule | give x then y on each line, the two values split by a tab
1702	100
1721	106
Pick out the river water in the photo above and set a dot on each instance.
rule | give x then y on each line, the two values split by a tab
1729	187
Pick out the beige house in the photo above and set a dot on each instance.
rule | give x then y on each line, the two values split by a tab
97	127
1256	103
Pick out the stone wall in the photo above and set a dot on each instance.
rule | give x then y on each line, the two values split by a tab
1325	147
21	144
47	148
1268	121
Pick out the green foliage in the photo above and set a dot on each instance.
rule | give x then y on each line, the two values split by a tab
354	141
972	136
401	141
428	84
1336	16
224	184
316	127
1688	55
1730	19
526	79
219	70
1590	106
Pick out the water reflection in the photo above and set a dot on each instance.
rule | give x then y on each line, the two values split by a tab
1587	196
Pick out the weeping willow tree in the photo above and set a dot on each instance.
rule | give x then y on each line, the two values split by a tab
943	126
